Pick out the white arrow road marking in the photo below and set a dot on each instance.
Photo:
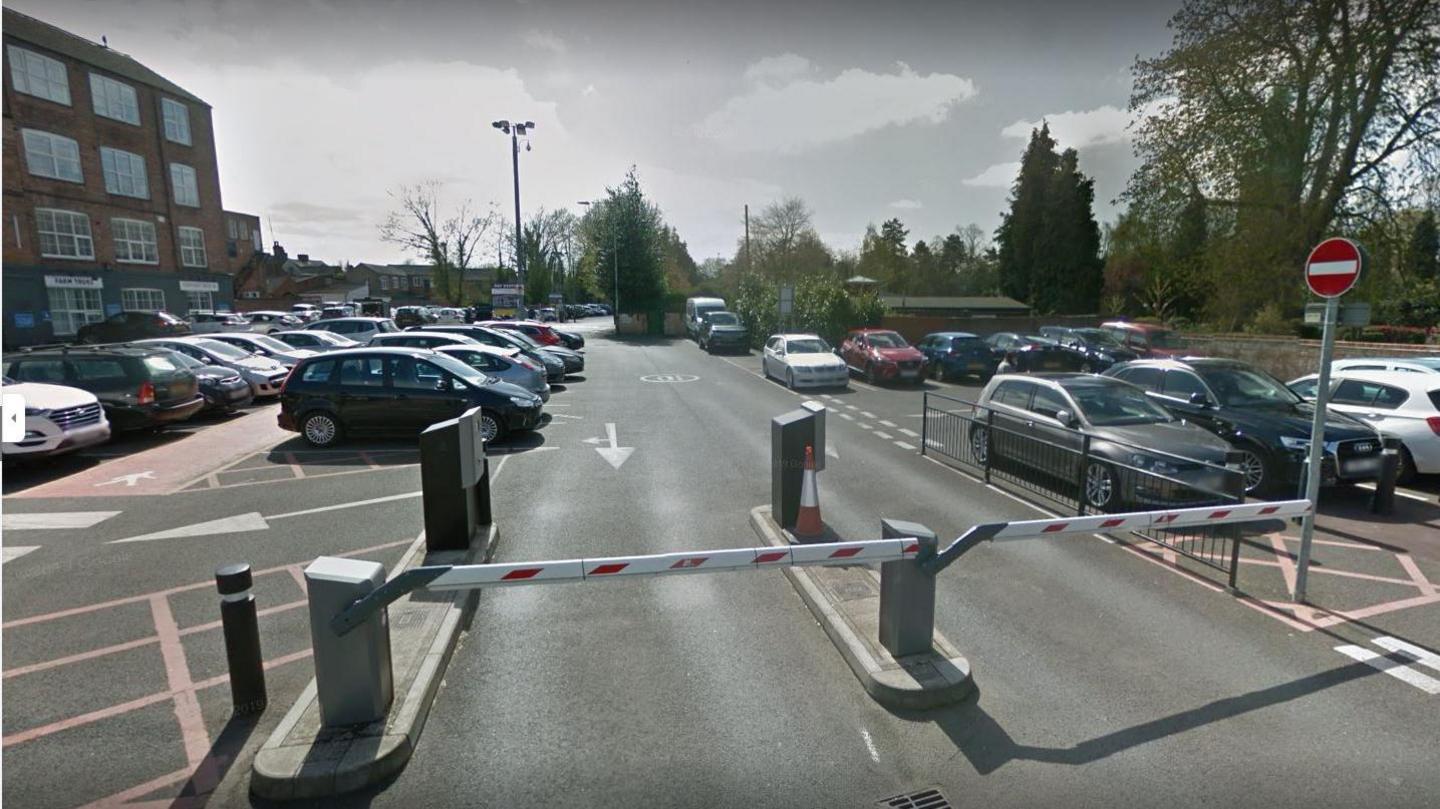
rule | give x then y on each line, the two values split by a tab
58	520
251	522
1404	673
13	552
128	480
615	454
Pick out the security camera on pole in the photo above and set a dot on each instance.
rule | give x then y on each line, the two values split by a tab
1332	270
516	131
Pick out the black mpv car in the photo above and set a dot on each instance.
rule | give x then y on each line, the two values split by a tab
396	391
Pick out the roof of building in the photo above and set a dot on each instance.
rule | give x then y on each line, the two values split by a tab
58	40
964	302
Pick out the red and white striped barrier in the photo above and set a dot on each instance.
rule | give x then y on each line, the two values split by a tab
461	577
1143	520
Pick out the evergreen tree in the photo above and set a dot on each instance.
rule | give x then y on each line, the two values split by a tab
1423	259
1023	225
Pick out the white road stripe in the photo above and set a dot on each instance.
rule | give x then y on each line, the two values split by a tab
1405	674
870	745
867	414
55	520
851	407
1398	491
885	436
864	426
888	423
847	416
12	552
903	445
1424	657
910	433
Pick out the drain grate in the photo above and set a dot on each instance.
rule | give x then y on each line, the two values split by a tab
923	799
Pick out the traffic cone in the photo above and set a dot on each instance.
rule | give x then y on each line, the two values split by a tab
807	522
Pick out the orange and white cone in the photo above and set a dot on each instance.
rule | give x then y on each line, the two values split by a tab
807	522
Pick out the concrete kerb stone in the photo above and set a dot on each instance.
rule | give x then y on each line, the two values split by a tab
846	602
302	759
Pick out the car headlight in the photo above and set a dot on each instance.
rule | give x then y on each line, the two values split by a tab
1294	442
523	401
1152	464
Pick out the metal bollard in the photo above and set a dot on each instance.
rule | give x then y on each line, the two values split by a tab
242	639
1383	500
907	593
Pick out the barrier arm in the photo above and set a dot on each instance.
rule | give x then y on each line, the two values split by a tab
386	594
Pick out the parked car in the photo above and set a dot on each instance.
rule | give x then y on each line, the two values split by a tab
267	322
881	355
1147	339
124	326
506	364
139	387
208	322
546	314
263	375
1100	347
318	341
331	312
58	419
556	366
407	316
1030	354
569	339
397	391
803	360
723	330
956	354
305	311
695	311
1400	404
1424	365
359	329
1265	421
263	345
539	332
1137	453
223	388
422	339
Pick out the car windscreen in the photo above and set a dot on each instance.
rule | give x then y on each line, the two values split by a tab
460	369
887	339
807	346
185	360
162	365
724	319
220	349
702	309
1097	338
1118	404
521	338
270	343
1246	387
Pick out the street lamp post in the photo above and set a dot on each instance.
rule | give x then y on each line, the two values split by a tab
615	255
515	131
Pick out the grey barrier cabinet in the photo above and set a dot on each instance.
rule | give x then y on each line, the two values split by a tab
819	410
790	433
907	593
353	680
455	478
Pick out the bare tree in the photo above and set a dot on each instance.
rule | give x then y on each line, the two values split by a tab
779	233
449	243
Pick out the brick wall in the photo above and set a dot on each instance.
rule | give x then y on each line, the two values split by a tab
915	327
1288	357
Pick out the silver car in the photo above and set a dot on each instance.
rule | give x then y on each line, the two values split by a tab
264	345
206	322
318	341
264	375
508	364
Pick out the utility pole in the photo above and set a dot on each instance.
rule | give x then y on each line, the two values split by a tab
748	266
515	131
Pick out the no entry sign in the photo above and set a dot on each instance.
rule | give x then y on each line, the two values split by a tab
1333	267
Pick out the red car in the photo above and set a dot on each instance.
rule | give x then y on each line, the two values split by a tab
539	332
1146	339
882	355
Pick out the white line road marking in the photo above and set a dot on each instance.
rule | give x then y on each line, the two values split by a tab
831	397
857	383
885	436
58	520
910	433
903	445
10	553
252	521
867	414
1399	491
1403	673
1424	657
864	426
846	416
851	407
888	423
870	745
564	416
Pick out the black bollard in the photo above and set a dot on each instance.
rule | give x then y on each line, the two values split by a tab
242	638
1383	500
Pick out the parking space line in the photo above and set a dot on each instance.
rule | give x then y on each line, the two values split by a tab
864	426
847	416
883	435
1413	571
295	468
1398	490
888	423
857	383
903	445
1399	671
851	407
910	433
867	414
54	520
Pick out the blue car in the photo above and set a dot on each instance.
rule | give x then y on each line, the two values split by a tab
956	354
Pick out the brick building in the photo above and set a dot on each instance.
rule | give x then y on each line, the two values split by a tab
111	189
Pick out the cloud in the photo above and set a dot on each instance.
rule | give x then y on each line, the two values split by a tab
1000	175
544	41
784	67
906	205
803	113
1079	129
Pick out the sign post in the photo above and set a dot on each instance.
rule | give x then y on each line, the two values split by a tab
1332	269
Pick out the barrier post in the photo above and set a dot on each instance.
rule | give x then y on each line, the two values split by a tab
1383	500
241	628
907	593
1235	488
790	433
924	421
989	440
1080	477
353	680
444	447
474	471
818	411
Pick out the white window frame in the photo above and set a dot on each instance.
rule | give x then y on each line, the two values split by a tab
177	121
129	235
142	299
191	255
72	308
114	99
184	185
50	155
125	173
385	283
39	75
201	301
79	241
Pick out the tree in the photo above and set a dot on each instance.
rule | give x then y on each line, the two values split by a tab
448	243
1423	255
1023	225
783	243
623	244
545	241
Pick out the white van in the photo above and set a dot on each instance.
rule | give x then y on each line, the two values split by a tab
695	311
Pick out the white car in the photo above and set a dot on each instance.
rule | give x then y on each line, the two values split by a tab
803	361
1400	404
317	341
1423	365
265	346
264	375
58	419
267	322
203	322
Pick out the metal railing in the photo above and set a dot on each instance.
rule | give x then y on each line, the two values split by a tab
1088	474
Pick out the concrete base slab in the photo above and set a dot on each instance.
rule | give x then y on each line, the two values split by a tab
846	602
303	759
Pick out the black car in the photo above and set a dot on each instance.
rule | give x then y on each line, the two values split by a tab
555	365
1100	347
397	391
722	330
224	389
139	387
1031	354
125	326
1261	417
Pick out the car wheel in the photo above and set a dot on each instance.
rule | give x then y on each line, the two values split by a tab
1102	489
321	429
790	379
870	374
1407	471
1258	479
937	373
980	445
492	429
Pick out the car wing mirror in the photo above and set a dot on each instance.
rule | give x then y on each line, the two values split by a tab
1199	398
1066	418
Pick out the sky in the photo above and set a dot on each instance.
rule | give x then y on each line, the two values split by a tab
866	110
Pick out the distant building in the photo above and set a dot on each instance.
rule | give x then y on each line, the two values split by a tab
414	284
111	189
954	306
